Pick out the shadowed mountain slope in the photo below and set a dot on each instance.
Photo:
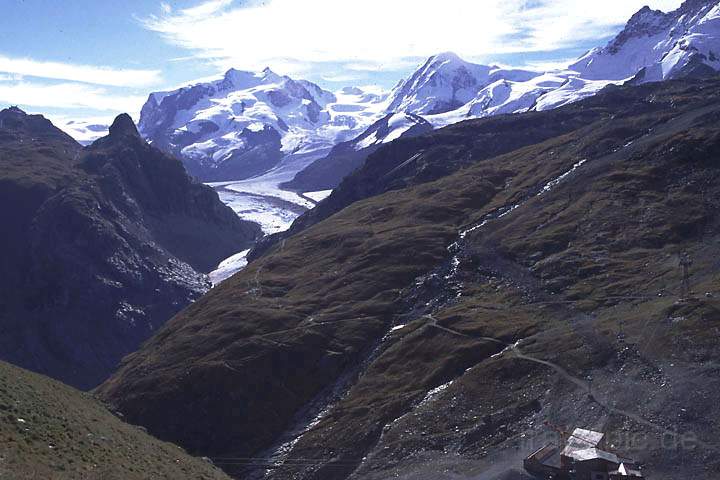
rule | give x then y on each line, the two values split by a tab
430	331
100	245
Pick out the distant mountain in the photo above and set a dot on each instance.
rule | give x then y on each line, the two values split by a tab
445	83
657	46
100	245
243	124
653	46
344	158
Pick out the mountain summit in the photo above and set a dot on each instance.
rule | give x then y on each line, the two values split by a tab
446	82
656	46
123	126
243	124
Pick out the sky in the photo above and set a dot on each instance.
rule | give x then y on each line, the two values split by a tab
92	59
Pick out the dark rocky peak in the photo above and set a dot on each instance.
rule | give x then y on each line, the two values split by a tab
16	109
18	124
12	118
123	126
646	18
12	113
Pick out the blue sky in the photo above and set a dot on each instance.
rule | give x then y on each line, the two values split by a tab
90	58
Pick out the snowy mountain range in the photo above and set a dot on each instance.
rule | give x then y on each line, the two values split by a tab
244	123
445	83
657	46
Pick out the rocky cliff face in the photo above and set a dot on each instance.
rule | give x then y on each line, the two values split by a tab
501	278
101	245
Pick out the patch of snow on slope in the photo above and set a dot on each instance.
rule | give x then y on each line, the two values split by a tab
571	91
398	124
318	196
229	267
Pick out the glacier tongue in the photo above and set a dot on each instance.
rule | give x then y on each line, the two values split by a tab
261	200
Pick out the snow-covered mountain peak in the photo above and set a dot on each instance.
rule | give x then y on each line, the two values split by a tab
449	59
239	79
655	46
245	122
250	120
446	82
646	22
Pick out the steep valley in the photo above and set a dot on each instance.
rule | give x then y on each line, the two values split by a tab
459	291
375	258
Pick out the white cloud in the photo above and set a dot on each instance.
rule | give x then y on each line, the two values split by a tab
67	96
372	33
341	77
10	77
80	73
543	66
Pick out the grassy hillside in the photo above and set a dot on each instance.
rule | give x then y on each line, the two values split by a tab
431	331
55	432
